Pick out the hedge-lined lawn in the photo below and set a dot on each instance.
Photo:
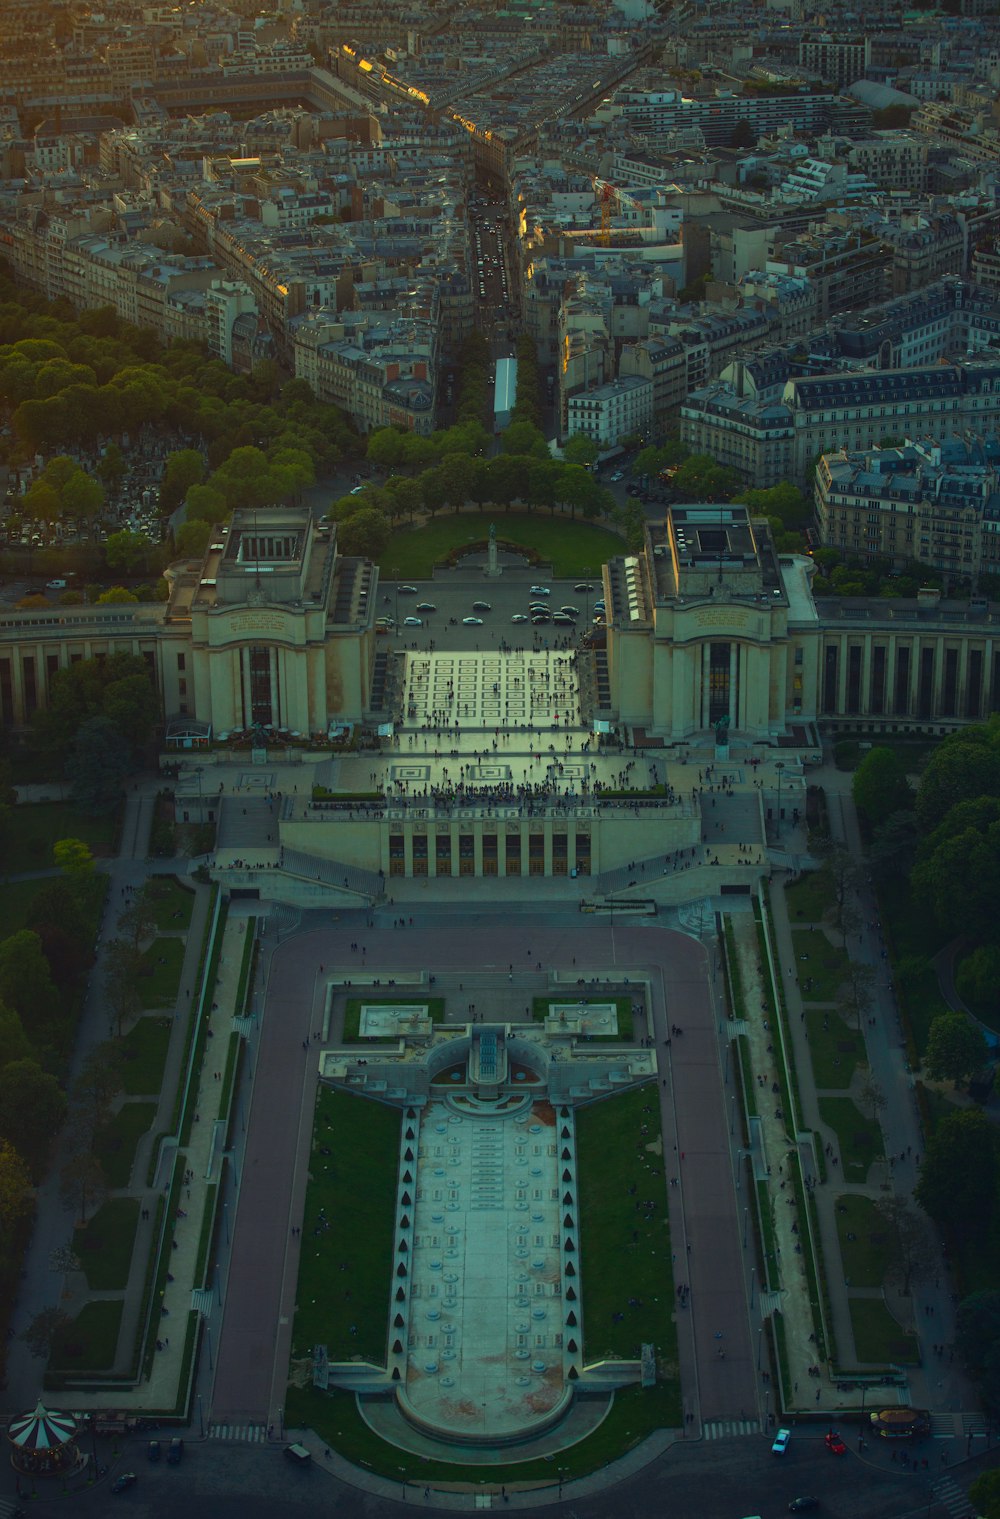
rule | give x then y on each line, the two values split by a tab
160	973
540	1011
352	1179
868	1256
105	1245
172	903
115	1145
860	1140
33	828
834	1047
573	548
818	961
90	1342
144	1054
810	896
352	1015
622	1254
878	1339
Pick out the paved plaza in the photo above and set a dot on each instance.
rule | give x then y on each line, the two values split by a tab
498	690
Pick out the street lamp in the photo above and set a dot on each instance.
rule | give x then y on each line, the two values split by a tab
753	1276
225	1214
760	1343
780	768
746	1221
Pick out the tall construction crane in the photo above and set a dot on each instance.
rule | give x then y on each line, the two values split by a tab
610	199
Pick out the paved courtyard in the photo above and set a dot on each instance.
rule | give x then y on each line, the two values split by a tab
512	689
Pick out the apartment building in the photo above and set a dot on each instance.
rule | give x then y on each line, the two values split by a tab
838	60
608	413
768	440
933	501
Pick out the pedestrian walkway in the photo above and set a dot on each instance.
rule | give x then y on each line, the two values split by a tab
239	1434
948	1493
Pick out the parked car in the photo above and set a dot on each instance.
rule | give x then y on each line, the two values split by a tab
570	611
426	606
482	606
298	1454
834	1443
153	1450
541	590
780	1443
175	1455
124	1482
413	622
519	617
473	622
803	1505
582	586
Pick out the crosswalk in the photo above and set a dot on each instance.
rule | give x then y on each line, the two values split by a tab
246	1434
727	1429
948	1493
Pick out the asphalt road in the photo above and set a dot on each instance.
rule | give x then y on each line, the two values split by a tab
723	1479
452	594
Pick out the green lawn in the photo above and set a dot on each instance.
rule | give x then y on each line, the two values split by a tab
35	826
623	1255
540	1011
337	1420
144	1052
878	1339
160	972
17	897
115	1145
860	1140
816	958
573	548
914	936
810	896
352	1177
835	1048
352	1014
105	1245
172	903
90	1342
866	1258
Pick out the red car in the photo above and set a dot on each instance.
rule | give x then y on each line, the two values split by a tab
835	1444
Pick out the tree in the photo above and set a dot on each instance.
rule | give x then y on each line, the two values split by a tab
137	922
111	466
977	1340
958	1178
183	469
121	984
44	1329
385	447
880	786
206	504
984	1493
962	876
73	857
193	539
956	1048
580	449
82	497
15	1188
871	1095
14	1042
845	878
118	595
97	765
133	706
977	980
26	982
366	534
455	473
32	1110
524	438
854	995
894	844
97	1084
128	552
82	1184
964	766
910	1246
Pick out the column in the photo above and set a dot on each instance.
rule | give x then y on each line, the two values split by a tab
914	674
547	828
706	665
275	684
735	716
17	683
889	704
938	686
842	675
247	700
865	695
962	678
